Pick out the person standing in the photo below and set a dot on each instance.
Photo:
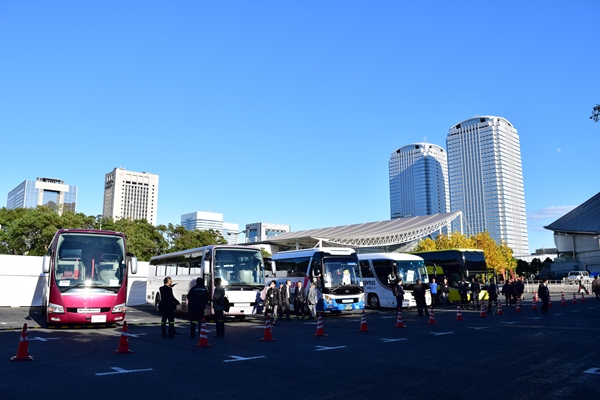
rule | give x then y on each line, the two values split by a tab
493	294
463	286
167	306
196	300
218	307
285	294
399	293
507	291
444	290
475	290
300	301
312	299
419	294
519	288
433	286
544	295
596	288
272	301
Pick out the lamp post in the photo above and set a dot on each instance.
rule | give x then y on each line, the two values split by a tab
236	235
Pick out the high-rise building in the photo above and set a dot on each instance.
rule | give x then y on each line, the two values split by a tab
53	193
418	181
486	179
132	195
261	231
204	220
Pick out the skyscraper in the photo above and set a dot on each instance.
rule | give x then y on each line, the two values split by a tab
132	195
53	193
486	179
418	181
204	220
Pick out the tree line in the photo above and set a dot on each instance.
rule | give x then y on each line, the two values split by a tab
29	231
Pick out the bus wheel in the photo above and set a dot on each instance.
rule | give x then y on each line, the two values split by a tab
373	301
157	302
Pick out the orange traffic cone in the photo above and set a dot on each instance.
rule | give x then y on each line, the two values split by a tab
399	322
518	308
363	323
549	302
482	314
268	336
499	309
203	339
431	317
563	302
23	349
320	330
458	314
534	303
123	342
574	299
582	298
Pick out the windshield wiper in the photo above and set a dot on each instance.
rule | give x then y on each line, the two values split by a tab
92	286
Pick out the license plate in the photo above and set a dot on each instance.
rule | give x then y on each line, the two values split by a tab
348	307
347	301
88	310
98	318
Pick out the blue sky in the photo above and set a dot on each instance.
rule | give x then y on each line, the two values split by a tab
287	111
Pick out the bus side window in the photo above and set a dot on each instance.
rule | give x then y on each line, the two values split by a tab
365	269
383	269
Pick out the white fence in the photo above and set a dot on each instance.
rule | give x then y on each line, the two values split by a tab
23	282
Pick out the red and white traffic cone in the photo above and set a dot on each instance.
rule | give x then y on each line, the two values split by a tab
582	298
320	330
534	303
549	302
431	317
268	336
123	341
563	302
458	314
363	323
23	349
203	339
574	299
482	314
518	308
499	308
399	322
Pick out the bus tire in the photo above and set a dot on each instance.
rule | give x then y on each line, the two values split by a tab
373	301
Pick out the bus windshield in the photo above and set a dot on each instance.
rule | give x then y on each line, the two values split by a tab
340	272
239	267
410	271
89	261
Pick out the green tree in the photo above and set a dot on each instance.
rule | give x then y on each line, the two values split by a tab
596	113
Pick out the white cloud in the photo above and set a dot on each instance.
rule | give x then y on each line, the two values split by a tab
550	212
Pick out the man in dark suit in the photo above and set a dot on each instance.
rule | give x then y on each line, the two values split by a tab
196	298
544	294
167	306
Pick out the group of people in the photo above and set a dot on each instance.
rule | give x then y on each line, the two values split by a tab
278	300
197	299
513	290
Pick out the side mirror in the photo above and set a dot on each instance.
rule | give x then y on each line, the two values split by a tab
133	265
46	264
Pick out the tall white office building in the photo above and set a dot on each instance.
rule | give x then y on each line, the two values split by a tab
418	181
261	231
205	220
132	195
486	179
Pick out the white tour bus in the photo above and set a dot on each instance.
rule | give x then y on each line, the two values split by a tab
334	270
241	269
376	268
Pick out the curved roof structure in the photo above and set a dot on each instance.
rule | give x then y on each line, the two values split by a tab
368	234
584	219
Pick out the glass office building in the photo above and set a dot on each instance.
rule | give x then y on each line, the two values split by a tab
418	181
262	231
53	193
486	179
204	220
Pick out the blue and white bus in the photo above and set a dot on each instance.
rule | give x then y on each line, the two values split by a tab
334	270
377	267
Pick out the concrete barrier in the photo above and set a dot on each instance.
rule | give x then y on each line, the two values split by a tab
23	282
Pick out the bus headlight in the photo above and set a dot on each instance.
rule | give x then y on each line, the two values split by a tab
55	309
362	297
327	299
119	308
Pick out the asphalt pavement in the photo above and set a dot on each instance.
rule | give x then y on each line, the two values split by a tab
517	355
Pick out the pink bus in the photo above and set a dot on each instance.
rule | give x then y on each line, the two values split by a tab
86	277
